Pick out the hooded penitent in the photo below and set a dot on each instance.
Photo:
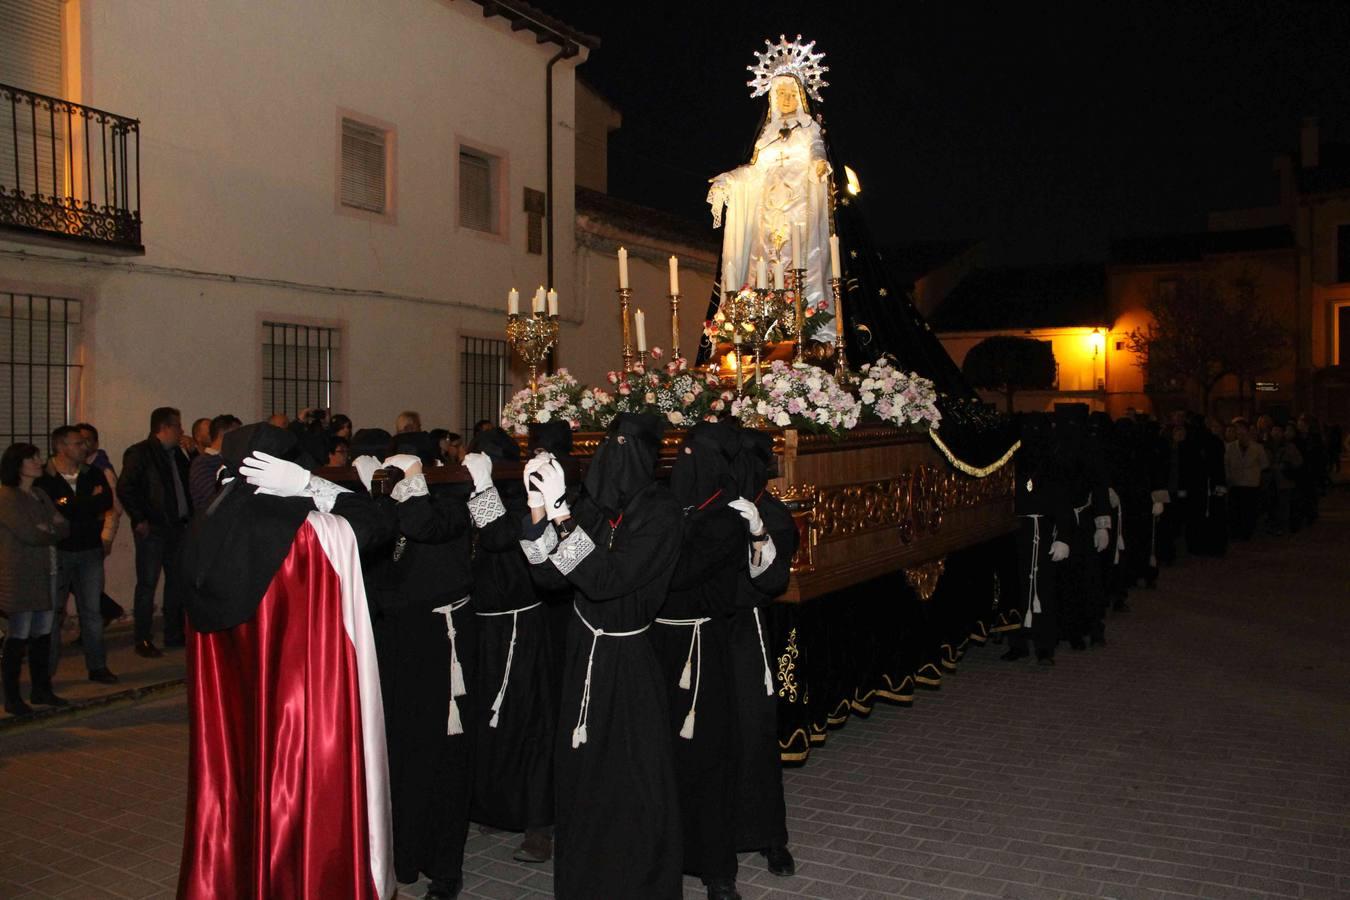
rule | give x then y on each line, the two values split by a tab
702	477
625	462
554	437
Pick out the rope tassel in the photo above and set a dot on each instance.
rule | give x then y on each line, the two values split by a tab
455	725
764	652
687	729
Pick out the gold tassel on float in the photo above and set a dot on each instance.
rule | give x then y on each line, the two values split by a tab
967	468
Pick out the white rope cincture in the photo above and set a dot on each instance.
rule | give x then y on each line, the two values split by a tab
764	652
1120	525
695	642
455	725
1033	595
510	656
579	732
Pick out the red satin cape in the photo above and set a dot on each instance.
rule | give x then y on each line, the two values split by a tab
277	795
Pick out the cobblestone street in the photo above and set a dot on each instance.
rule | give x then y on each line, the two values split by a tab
1204	753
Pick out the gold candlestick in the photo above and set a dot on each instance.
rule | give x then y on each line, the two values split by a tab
674	326
840	357
798	289
532	337
626	294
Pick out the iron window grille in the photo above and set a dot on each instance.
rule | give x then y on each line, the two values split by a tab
39	377
484	367
300	367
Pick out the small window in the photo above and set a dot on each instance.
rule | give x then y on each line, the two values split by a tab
39	368
1343	253
477	191
300	367
485	376
365	159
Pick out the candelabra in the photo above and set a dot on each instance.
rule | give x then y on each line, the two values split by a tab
625	295
674	326
798	320
840	359
532	337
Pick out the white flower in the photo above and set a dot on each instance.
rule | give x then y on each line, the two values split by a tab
782	420
543	415
675	416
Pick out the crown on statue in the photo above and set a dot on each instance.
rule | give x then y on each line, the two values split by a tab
788	58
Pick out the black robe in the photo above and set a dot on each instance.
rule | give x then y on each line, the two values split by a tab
430	770
513	758
617	830
760	814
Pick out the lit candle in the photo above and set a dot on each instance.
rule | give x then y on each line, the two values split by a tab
674	276
552	303
640	323
538	305
513	302
834	255
761	273
623	269
778	280
798	244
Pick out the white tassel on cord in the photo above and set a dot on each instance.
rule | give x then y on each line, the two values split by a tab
687	729
764	652
455	724
688	661
506	675
579	731
1033	595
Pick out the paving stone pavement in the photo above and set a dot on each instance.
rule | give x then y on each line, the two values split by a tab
1204	753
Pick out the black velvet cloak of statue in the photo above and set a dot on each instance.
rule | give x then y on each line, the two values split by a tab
516	698
695	655
429	728
235	546
618	825
760	813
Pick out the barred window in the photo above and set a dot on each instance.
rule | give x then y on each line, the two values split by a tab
364	166
477	190
485	374
39	375
300	367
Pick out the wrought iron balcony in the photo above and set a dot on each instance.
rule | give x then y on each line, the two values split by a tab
68	173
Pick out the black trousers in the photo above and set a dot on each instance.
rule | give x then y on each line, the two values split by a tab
155	552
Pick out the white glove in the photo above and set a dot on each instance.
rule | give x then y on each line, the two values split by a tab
1157	508
480	467
550	482
410	464
1161	497
366	467
532	495
750	513
1059	551
1220	490
271	475
1101	538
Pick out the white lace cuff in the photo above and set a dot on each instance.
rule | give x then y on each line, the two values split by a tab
767	554
410	486
324	493
537	550
572	551
486	507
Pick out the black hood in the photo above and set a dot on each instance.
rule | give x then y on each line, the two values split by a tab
703	474
420	445
497	444
554	437
374	442
754	464
625	464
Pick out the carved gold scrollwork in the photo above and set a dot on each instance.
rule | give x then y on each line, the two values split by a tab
801	501
924	578
787	669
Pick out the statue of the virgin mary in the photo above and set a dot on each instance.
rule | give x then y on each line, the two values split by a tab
781	197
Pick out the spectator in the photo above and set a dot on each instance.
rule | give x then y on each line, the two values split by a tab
1245	462
83	497
202	472
201	436
340	426
482	425
280	420
339	451
98	459
154	491
454	449
29	527
1285	463
407	421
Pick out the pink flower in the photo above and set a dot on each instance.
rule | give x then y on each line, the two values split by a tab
656	353
625	389
613	377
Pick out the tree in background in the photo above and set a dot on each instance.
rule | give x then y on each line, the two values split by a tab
1010	364
1203	331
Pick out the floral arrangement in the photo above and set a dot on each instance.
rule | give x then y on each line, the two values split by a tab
560	396
897	397
814	318
802	396
670	390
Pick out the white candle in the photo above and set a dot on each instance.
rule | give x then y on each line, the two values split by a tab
552	302
640	323
538	304
674	276
623	269
513	302
761	273
778	280
834	255
798	244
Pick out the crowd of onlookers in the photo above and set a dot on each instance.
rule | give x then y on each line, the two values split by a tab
60	512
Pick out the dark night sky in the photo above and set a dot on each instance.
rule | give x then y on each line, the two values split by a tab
1047	129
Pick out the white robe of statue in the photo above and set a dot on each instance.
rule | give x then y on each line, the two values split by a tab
759	204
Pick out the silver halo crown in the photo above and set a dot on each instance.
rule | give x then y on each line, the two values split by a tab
788	58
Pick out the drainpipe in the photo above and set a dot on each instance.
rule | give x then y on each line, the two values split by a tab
568	51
